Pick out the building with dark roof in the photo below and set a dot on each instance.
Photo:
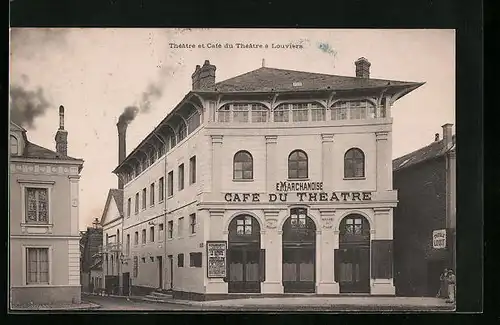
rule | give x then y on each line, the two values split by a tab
91	258
424	220
44	236
271	182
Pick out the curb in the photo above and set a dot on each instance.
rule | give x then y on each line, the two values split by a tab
89	306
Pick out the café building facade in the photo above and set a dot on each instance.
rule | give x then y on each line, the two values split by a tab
288	187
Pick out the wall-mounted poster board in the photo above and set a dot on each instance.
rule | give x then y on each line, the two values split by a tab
216	259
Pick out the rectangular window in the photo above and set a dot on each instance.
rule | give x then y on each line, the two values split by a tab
160	232
281	113
129	206
136	267
170	229
152	194
192	170
180	260
136	203
180	227
136	238
317	113
152	234
128	244
37	266
181	177
240	113
170	183
192	223
143	236
224	114
259	113
161	190
195	259
144	198
300	112
37	205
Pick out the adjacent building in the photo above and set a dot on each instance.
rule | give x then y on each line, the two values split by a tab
111	249
271	182
44	235
425	218
91	259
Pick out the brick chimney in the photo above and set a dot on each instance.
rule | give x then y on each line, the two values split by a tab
61	135
204	77
362	68
447	135
122	149
436	137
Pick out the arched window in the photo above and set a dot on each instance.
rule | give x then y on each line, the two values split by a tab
297	165
354	228
14	145
182	131
354	163
243	165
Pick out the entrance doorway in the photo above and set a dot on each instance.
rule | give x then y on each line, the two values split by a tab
352	259
299	253
171	271
126	283
160	272
244	257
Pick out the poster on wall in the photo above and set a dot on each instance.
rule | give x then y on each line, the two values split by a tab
216	259
439	239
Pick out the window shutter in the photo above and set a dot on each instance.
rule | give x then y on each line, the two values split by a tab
336	263
262	265
226	278
382	260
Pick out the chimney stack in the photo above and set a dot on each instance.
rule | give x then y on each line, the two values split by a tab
61	135
436	137
203	78
362	68
122	149
447	135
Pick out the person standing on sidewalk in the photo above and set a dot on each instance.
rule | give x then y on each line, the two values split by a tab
451	279
443	289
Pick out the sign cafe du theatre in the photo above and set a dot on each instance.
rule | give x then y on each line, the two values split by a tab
299	192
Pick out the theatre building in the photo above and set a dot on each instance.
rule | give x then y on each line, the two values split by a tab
271	182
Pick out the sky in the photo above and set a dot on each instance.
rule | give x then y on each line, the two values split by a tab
97	73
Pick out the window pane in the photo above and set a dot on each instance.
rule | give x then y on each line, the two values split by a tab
240	222
239	230
238	174
247	174
248	230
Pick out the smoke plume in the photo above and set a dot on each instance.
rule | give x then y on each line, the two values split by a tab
153	92
27	105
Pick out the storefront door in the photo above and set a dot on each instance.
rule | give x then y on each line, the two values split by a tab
244	255
298	269
299	253
244	269
354	263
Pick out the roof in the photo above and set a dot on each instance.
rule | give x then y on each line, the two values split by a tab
433	150
117	195
35	151
270	79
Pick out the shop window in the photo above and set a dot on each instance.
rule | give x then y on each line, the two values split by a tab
297	165
354	163
243	165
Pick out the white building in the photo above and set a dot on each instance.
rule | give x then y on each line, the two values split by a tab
271	182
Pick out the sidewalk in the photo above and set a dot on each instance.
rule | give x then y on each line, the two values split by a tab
67	306
319	303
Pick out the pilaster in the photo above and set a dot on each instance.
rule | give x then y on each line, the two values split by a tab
216	162
327	161
74	197
384	162
271	142
383	223
327	243
273	243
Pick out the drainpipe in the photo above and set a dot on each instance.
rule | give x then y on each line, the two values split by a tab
164	206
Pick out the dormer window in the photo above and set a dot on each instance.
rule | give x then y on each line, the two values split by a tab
14	146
